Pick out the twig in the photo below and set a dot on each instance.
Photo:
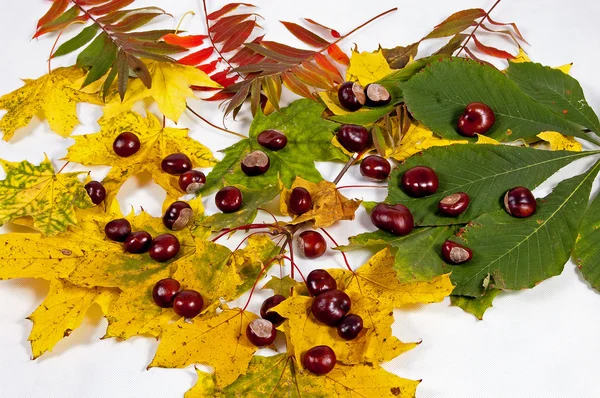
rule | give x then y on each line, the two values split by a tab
477	27
346	167
214	125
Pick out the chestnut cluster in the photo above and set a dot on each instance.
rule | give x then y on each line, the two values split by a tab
167	293
261	332
353	96
257	162
162	248
355	138
179	164
421	181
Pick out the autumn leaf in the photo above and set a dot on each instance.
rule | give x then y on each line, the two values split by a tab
156	143
559	142
214	339
170	89
38	192
329	205
62	311
367	67
417	139
50	94
375	344
204	387
476	306
282	376
282	286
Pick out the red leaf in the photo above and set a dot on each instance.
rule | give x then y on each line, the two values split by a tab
55	25
295	85
57	8
209	68
326	75
332	32
288	51
114	5
513	25
305	35
185	41
91	2
224	23
230	32
470	53
338	55
242	56
197	57
494	52
456	23
227	8
222	79
218	96
274	55
240	36
326	64
133	21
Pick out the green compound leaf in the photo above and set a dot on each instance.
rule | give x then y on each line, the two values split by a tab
587	249
516	253
309	140
555	89
416	256
38	192
439	94
484	172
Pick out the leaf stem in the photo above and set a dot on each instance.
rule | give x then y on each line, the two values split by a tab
336	244
262	270
243	227
214	125
487	14
362	186
297	269
349	163
361	26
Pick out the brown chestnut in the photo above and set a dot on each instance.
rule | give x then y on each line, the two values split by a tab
178	215
300	201
455	253
520	202
351	96
478	118
353	138
375	167
419	181
272	139
376	95
255	163
395	219
454	205
311	244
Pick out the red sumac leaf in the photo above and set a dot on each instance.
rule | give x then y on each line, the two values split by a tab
332	32
470	53
210	67
185	41
305	35
494	52
511	24
310	78
326	75
57	8
239	37
222	79
198	57
218	96
456	23
274	55
300	55
326	64
68	17
224	23
245	54
114	5
338	55
133	22
237	99
91	2
295	85
226	9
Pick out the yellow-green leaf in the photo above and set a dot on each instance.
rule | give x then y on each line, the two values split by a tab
368	67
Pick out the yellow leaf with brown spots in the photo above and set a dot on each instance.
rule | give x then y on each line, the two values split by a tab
329	205
51	95
559	142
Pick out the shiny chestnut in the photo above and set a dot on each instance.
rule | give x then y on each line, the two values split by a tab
455	253
419	181
395	219
353	138
255	163
351	96
478	118
520	202
272	139
375	168
454	205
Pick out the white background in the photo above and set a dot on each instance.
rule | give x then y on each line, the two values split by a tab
541	342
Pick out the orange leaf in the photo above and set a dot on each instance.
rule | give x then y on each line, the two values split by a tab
295	85
57	8
494	52
197	57
456	23
338	55
305	35
185	41
326	64
332	32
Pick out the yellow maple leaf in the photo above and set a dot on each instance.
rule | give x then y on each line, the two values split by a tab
38	192
170	89
204	387
215	339
156	143
51	94
375	344
559	142
281	376
417	139
378	281
328	207
367	67
62	311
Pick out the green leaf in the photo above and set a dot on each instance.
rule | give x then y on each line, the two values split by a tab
587	249
98	57
417	255
475	305
252	200
439	94
516	253
484	172
283	285
78	41
364	117
555	89
309	140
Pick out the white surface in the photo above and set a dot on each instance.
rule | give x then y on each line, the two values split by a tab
541	342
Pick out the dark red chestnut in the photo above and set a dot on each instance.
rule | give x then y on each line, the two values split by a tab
455	253
330	307
96	192
192	181
375	167
520	202
272	139
351	96
319	360
320	281
353	138
419	181
300	201
396	219
164	247
272	316
188	303
164	292
376	95
477	118
255	163
350	326
176	164
454	205
126	144
117	230
229	199
261	332
311	244
178	215
137	242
